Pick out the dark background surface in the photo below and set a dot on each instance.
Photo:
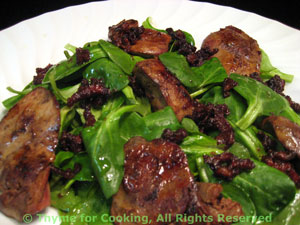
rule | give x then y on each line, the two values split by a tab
287	12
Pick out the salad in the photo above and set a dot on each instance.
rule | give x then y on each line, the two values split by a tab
144	128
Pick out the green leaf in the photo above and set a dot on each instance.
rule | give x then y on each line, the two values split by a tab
148	25
68	67
105	148
178	66
158	121
211	71
113	77
268	71
269	189
236	194
289	215
200	144
118	56
237	108
194	78
190	126
262	101
83	205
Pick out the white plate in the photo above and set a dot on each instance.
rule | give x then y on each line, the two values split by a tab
41	40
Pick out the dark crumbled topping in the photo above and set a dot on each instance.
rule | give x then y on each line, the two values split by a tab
125	33
212	116
228	84
71	142
256	76
267	142
200	56
276	84
174	136
89	117
68	173
227	165
40	74
283	161
82	56
294	105
93	93
194	58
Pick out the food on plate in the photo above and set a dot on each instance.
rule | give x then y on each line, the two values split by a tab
138	40
238	52
28	138
162	88
145	125
157	181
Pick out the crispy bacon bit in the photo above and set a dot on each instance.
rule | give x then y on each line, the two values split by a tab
125	33
266	141
294	105
256	77
174	136
89	117
200	56
282	161
68	173
82	56
227	165
40	74
93	93
228	84
276	84
212	116
195	58
71	142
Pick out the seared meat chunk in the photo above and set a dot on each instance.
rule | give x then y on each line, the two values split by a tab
162	88
287	132
238	52
138	40
28	137
212	203
157	180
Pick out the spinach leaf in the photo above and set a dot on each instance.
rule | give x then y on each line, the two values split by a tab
237	108
190	126
268	71
200	144
158	121
236	104
105	148
269	189
289	215
68	67
150	126
118	56
262	101
10	102
178	66
236	194
83	204
147	24
194	78
211	71
188	37
239	150
67	160
113	77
